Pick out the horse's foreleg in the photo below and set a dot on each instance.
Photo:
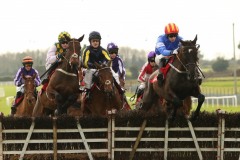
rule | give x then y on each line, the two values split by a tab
176	102
201	99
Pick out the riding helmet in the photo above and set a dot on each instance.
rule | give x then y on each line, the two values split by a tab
171	28
27	60
112	48
151	56
94	35
61	36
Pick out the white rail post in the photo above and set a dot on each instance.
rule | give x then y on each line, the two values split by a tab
221	134
109	113
113	132
54	138
166	141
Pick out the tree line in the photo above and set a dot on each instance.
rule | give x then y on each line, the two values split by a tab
133	60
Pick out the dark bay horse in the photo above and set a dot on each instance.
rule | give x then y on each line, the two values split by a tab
63	87
25	108
104	94
182	81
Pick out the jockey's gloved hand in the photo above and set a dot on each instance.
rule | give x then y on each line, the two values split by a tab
59	56
90	65
175	51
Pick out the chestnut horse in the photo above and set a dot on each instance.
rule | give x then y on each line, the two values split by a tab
104	94
25	108
63	87
182	81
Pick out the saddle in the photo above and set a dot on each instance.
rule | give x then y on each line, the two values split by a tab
19	100
164	69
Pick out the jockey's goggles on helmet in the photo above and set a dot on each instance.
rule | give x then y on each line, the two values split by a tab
27	65
64	42
112	51
172	35
152	60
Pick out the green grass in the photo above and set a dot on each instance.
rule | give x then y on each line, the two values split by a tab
10	90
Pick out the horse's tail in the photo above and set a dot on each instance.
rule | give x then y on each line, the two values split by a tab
134	96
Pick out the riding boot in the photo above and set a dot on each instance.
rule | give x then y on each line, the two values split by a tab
160	77
49	73
14	106
140	92
46	80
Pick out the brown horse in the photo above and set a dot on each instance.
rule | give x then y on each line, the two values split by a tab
104	94
63	87
25	108
181	82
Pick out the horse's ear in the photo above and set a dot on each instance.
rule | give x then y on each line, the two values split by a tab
97	65
67	38
195	39
109	63
81	38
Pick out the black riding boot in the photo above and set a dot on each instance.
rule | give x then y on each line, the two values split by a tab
139	92
14	106
52	68
160	77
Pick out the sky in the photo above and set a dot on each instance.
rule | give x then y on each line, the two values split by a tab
31	24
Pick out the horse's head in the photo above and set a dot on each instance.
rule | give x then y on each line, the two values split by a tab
188	57
29	88
105	77
73	51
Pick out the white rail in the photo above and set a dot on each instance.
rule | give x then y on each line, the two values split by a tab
219	100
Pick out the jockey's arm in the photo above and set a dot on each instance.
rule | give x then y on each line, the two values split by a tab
18	78
161	49
37	79
51	56
141	75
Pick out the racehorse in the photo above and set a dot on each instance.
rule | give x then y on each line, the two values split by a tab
104	94
25	107
63	87
181	82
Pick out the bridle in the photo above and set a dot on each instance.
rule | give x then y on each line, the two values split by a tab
188	65
107	82
73	56
29	92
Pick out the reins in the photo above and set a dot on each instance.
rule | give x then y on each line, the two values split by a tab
74	55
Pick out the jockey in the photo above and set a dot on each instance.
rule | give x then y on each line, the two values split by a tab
146	71
118	68
26	70
93	53
54	54
167	44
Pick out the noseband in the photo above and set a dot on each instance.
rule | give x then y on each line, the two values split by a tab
107	82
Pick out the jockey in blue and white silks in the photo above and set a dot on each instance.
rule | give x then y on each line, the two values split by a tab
118	68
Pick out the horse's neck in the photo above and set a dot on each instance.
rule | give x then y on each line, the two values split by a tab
67	68
178	64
